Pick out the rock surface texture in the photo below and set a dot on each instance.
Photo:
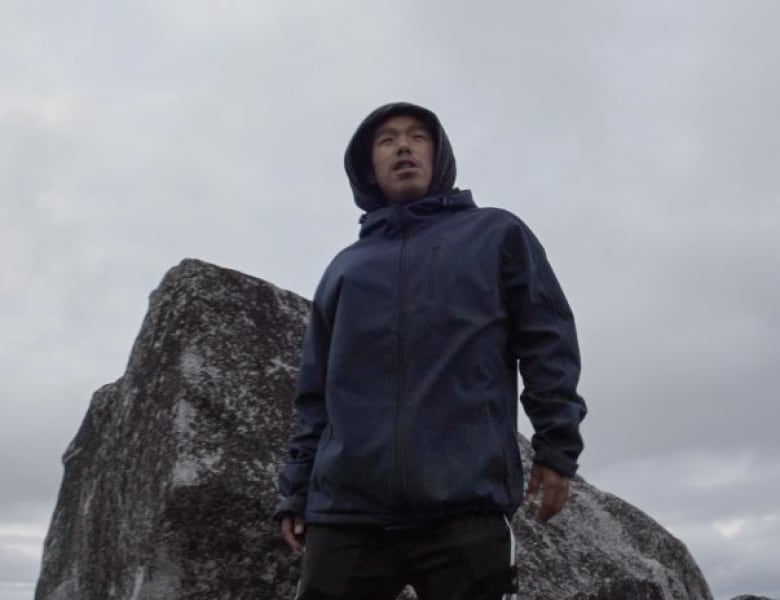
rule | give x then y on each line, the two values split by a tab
170	482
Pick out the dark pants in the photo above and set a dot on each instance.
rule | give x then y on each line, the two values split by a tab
466	558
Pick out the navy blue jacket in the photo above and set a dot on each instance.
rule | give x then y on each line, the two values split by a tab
408	387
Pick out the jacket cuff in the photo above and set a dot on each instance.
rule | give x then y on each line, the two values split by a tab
291	504
557	461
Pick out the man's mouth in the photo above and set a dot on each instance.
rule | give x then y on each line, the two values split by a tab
405	163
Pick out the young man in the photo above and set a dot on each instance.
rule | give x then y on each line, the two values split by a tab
406	469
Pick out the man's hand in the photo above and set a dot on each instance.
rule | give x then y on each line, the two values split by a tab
555	491
293	531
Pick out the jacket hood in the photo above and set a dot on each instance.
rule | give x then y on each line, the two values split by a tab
357	159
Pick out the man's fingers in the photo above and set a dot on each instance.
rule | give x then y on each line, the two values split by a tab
299	526
555	491
292	531
533	483
554	497
552	503
287	533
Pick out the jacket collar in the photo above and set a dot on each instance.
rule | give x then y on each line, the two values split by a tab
402	217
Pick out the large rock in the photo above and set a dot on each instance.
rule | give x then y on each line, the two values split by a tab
170	483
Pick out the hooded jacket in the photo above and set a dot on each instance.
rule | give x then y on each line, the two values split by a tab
407	390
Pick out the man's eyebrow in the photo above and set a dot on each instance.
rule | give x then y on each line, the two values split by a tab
419	127
383	130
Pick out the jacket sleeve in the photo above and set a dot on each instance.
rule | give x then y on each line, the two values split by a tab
310	408
543	339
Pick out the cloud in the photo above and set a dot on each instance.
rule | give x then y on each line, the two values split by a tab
737	556
20	557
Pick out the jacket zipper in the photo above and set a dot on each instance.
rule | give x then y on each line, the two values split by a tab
400	474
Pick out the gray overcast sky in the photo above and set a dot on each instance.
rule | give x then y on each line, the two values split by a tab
640	141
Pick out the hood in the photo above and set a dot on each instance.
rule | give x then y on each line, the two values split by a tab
357	159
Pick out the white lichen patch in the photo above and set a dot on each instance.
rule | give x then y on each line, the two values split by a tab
270	572
87	502
140	575
190	364
185	472
66	590
71	451
194	368
288	304
276	364
211	461
184	418
189	469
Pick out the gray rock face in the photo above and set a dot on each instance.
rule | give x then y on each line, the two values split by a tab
170	483
749	597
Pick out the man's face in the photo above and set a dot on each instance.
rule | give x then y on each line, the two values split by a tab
402	156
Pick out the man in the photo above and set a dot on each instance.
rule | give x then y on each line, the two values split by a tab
406	468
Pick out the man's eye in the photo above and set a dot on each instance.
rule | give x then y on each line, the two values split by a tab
421	136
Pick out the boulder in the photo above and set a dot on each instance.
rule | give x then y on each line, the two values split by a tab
170	483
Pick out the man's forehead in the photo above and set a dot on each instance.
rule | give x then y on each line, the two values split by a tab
401	122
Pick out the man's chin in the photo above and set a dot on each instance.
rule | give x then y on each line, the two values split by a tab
407	194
